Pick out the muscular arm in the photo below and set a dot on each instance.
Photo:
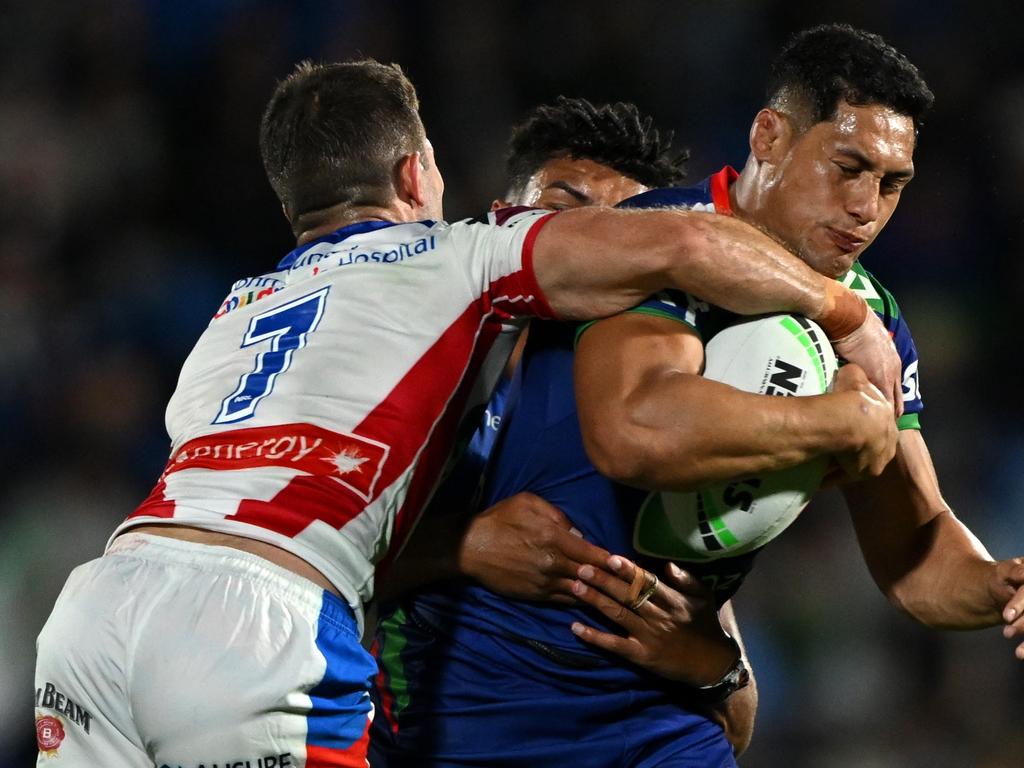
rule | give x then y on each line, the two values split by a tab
925	560
522	548
650	421
593	262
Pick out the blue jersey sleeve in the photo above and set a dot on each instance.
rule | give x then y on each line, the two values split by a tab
670	197
912	403
672	305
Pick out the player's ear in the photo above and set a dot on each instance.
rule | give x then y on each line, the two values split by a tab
498	204
284	210
410	185
769	134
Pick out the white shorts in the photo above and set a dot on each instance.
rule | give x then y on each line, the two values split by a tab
182	655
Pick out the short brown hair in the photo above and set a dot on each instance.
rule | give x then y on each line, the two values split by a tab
332	134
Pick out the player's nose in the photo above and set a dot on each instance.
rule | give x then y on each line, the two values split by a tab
862	201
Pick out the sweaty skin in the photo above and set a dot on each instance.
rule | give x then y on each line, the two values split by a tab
566	182
826	192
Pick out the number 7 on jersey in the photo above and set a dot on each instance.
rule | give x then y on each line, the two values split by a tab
286	328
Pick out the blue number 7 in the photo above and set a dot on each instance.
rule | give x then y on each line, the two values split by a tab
286	327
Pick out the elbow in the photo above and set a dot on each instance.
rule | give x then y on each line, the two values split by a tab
639	458
915	602
904	601
896	587
618	451
898	598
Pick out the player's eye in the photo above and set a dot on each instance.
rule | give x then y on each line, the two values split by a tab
848	171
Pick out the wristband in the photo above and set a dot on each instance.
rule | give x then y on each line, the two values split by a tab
736	678
842	313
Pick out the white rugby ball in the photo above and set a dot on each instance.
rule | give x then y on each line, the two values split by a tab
786	355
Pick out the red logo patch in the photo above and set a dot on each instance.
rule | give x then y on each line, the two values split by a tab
49	733
352	461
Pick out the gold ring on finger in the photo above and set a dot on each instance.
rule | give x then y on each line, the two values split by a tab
649	588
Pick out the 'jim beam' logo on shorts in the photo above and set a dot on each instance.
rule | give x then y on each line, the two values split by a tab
50	728
49	734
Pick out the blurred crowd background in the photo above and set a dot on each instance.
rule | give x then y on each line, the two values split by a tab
132	195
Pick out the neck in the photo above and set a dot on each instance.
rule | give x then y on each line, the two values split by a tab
745	193
315	224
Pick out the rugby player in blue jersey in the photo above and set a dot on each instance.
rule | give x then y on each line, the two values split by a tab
830	155
562	155
565	155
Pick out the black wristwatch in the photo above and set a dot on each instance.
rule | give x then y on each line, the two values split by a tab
736	678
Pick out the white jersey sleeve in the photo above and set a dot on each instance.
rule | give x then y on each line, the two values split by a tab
502	253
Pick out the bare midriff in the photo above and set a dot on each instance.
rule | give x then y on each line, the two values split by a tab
276	555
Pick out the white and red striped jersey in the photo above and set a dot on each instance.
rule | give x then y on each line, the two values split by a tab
319	407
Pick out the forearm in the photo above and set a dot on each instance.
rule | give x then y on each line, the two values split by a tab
682	432
594	262
736	715
949	585
922	558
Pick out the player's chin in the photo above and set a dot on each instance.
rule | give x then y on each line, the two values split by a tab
833	262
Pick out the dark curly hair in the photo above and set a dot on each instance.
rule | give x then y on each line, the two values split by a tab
821	66
616	135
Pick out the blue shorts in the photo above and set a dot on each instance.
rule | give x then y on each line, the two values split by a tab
467	698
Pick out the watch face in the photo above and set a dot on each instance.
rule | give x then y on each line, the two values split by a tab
742	677
735	679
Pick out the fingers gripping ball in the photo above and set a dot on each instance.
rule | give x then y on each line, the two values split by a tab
784	355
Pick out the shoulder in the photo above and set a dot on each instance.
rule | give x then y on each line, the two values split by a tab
507	218
694	198
249	290
879	298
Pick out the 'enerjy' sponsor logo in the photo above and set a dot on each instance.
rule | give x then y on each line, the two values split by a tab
352	461
48	697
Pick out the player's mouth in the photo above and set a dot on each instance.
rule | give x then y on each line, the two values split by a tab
845	241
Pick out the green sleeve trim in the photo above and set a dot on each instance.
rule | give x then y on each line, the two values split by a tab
579	332
909	421
865	284
643	311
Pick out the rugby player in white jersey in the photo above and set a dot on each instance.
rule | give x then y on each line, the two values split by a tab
310	422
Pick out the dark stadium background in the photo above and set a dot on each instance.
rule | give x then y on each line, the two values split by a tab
131	195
